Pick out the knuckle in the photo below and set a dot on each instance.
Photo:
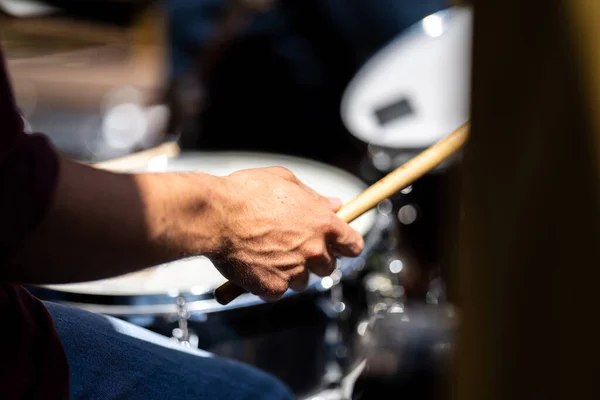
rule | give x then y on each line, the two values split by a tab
324	269
283	172
297	273
326	222
329	268
277	288
360	243
299	282
357	244
315	251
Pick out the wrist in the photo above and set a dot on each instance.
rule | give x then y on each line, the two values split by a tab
183	212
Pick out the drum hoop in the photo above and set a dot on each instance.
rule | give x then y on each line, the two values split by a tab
163	305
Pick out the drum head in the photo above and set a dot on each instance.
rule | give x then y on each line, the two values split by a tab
416	89
198	276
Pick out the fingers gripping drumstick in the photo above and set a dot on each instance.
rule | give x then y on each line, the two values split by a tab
395	181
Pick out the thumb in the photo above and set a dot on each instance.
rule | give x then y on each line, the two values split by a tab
334	203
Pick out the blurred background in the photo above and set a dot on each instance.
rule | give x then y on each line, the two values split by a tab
185	67
352	89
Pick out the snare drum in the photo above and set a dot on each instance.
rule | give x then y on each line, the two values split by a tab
295	338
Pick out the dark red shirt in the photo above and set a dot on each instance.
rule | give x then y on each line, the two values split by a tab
33	364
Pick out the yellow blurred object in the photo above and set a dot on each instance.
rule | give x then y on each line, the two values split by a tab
76	63
584	15
529	254
97	90
148	38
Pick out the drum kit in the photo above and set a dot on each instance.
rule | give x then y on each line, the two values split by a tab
381	319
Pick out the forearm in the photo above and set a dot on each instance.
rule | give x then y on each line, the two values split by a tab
102	224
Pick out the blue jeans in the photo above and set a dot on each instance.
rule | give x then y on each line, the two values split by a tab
112	359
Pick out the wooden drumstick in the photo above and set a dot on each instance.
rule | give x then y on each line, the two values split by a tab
395	181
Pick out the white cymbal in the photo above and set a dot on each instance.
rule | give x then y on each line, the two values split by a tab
416	89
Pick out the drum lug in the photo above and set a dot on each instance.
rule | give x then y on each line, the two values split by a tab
334	310
183	334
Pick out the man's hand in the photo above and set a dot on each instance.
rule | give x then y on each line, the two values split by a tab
274	230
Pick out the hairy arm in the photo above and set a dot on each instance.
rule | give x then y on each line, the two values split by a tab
101	224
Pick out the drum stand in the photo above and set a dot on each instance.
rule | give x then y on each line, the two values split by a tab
337	381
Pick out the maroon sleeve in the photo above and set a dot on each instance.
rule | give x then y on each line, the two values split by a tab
28	173
33	364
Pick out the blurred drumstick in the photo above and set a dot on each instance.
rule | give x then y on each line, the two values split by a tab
380	190
139	159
